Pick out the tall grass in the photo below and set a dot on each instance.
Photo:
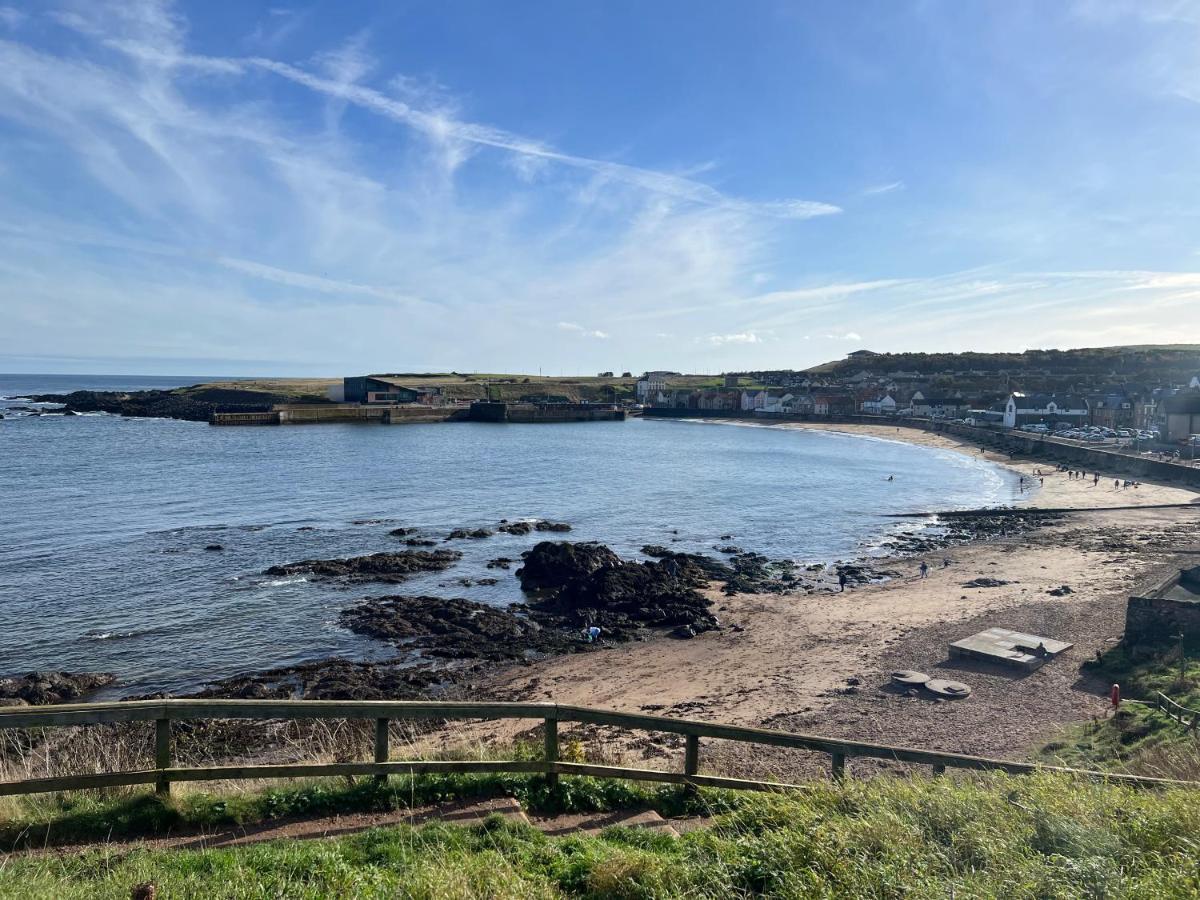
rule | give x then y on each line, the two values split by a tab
993	836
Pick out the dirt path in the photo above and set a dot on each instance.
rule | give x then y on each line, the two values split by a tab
324	827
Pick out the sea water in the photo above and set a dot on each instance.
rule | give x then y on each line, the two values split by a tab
104	520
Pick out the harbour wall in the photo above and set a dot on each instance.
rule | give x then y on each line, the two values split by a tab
479	411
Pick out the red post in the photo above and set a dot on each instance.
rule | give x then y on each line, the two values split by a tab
1115	696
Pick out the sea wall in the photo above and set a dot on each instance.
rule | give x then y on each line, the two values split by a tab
305	414
1018	442
530	413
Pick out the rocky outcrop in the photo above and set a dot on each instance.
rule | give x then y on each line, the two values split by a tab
42	688
461	533
587	584
624	598
455	628
332	679
527	527
385	567
959	529
552	564
195	404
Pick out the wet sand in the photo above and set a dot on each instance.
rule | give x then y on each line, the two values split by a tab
819	662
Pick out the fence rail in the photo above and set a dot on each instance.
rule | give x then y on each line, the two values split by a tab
164	712
1180	713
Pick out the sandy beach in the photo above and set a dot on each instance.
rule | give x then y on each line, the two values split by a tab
820	662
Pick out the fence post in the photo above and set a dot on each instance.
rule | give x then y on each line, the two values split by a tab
552	750
381	747
691	755
162	754
839	766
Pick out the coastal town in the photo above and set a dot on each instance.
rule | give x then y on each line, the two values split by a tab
1135	401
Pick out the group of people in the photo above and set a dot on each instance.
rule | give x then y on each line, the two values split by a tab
1094	478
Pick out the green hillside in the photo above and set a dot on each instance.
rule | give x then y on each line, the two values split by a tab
1165	361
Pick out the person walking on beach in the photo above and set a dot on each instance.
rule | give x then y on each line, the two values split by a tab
924	567
841	581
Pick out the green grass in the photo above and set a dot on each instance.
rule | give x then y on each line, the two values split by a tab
996	836
1138	739
96	815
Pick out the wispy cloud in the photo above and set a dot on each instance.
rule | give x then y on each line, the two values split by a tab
741	337
155	201
576	328
314	282
885	188
10	17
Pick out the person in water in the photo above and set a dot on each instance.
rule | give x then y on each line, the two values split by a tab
891	478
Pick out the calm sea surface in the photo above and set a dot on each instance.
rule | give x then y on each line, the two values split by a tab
104	520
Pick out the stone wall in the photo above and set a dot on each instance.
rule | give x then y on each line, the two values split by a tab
1156	619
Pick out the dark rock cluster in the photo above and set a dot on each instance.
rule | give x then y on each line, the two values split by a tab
332	679
587	584
460	533
387	567
527	527
196	405
454	628
41	688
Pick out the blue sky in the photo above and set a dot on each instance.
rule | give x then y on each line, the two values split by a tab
241	187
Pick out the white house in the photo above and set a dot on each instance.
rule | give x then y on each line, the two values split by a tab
1194	384
650	385
937	407
880	406
752	400
1023	409
778	403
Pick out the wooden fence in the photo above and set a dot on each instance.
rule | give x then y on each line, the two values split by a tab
1189	718
164	712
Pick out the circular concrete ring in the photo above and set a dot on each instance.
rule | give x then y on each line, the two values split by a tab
908	676
943	688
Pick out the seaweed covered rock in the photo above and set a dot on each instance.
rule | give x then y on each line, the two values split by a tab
387	567
627	596
452	628
332	679
462	533
42	688
552	564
